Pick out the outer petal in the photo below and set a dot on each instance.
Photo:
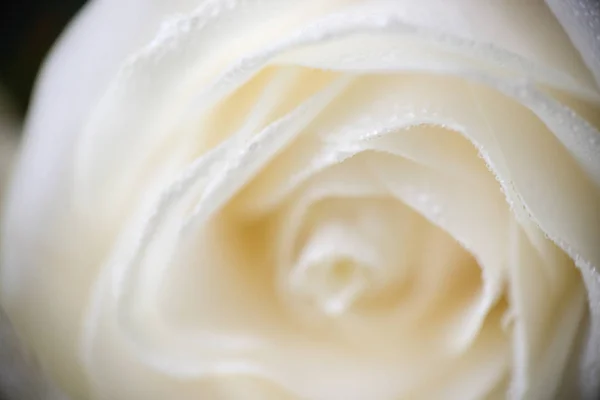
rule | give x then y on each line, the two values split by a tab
75	75
34	230
581	21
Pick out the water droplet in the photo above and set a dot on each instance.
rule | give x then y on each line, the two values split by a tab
523	92
381	22
423	198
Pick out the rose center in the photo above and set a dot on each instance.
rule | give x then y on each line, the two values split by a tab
332	285
336	267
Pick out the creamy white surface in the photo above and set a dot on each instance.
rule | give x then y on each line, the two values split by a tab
310	200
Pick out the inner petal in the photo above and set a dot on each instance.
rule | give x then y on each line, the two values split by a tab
264	345
331	280
348	250
475	219
414	287
263	341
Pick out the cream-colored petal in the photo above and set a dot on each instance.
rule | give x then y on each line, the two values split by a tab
361	124
546	316
439	199
162	230
473	220
375	234
155	343
196	48
176	51
297	366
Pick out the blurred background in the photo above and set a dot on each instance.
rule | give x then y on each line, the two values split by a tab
28	28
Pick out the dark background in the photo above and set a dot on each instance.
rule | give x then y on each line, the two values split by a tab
28	28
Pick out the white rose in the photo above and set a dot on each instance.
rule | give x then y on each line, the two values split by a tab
313	200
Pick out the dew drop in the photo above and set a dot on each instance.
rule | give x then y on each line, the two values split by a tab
381	22
436	211
423	198
522	92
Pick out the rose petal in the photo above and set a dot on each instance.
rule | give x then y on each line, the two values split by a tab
581	21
